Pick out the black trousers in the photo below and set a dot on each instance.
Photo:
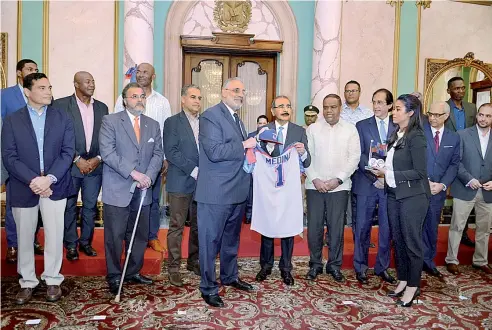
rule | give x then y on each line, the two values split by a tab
118	227
335	206
267	253
406	218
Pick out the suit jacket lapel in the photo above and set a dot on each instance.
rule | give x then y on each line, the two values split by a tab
144	131
128	126
474	135
19	96
27	121
373	128
430	139
489	146
77	122
97	123
186	124
451	115
230	119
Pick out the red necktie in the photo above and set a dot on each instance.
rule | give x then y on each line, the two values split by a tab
436	141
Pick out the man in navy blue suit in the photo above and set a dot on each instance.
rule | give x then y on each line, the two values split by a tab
374	133
13	99
221	191
38	146
443	160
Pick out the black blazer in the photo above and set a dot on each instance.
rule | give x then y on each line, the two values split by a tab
69	104
410	165
182	154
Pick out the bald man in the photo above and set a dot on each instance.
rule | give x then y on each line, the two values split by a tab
86	114
159	109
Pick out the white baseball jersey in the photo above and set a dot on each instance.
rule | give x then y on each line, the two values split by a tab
277	196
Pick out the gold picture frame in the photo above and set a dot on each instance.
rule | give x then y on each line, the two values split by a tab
3	58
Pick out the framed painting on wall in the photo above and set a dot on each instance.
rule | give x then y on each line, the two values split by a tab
3	58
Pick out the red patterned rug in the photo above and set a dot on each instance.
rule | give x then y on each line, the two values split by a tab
458	302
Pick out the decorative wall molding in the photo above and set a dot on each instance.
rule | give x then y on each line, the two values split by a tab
396	52
46	36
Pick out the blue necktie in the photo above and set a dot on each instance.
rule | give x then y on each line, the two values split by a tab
382	132
280	138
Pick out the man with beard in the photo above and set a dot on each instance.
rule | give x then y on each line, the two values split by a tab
473	189
86	114
221	191
131	150
157	107
462	116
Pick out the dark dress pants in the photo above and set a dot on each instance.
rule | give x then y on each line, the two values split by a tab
155	210
90	185
365	211
118	227
431	226
406	218
219	227
267	253
334	204
180	205
249	202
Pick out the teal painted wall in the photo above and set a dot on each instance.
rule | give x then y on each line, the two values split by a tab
408	48
32	32
161	8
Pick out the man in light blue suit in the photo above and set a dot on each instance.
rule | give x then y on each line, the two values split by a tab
443	160
221	191
13	99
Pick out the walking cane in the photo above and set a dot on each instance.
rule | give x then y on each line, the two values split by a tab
144	192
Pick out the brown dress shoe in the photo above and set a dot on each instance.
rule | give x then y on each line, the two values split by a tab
156	245
38	249
23	296
175	279
53	293
453	269
484	268
11	255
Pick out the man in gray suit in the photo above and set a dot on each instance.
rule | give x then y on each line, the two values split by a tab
288	133
473	188
221	191
130	144
181	149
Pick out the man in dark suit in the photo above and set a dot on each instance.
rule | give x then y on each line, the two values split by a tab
462	115
473	189
13	99
374	133
38	146
221	191
261	121
181	149
131	149
86	114
288	133
443	160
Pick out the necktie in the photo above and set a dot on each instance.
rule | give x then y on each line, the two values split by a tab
382	131
238	124
436	141
136	128
280	138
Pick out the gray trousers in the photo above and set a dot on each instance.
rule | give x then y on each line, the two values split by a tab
26	219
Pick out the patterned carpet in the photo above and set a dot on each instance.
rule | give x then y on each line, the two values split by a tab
306	305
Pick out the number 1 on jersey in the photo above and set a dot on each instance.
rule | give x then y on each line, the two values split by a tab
279	169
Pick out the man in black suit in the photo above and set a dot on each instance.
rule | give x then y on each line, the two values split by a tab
288	133
462	115
86	114
181	149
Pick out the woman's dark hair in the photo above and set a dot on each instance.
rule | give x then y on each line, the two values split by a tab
411	103
389	96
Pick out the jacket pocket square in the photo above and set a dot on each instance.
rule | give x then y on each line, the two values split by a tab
447	146
150	140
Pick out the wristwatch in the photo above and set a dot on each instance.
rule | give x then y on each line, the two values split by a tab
340	182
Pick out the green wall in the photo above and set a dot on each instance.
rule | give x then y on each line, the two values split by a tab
32	32
408	48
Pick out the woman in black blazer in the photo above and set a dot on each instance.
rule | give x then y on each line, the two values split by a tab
408	189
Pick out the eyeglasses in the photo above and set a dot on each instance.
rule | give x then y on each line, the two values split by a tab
283	106
135	97
379	103
351	91
237	91
436	115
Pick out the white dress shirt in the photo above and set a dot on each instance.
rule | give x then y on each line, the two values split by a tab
335	153
390	174
484	140
386	125
434	130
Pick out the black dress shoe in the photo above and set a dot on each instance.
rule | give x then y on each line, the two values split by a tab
263	274
114	286
394	294
337	275
432	271
72	254
287	277
362	277
313	273
88	250
139	279
213	300
466	240
240	285
247	221
399	302
385	276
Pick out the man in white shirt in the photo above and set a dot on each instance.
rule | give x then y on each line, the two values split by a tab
159	109
473	189
335	152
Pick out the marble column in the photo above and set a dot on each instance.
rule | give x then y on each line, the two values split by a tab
138	33
326	50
